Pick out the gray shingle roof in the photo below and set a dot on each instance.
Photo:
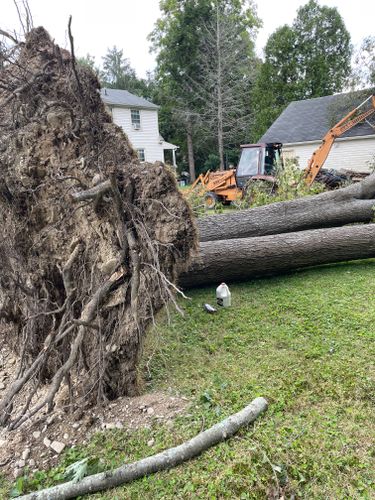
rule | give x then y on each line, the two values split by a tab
309	120
117	97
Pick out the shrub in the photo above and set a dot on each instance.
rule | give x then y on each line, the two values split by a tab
290	184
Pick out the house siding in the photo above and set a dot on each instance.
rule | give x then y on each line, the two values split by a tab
147	137
346	154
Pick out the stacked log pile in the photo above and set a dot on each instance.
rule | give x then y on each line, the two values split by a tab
331	227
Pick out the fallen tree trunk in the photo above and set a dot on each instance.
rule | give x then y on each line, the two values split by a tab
246	258
331	209
161	461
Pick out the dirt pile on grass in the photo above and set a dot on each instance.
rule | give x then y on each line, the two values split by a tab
92	240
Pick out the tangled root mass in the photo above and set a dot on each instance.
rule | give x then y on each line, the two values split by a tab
92	240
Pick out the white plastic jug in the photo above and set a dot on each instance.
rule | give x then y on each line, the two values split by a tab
223	296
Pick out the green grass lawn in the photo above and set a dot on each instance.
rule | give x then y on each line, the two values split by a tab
306	342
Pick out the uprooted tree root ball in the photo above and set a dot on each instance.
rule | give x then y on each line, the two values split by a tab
92	241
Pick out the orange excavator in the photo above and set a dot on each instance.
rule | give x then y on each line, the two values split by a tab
258	162
320	155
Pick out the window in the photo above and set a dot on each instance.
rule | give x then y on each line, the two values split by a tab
270	161
249	162
136	118
141	154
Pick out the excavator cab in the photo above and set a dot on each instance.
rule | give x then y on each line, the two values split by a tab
258	162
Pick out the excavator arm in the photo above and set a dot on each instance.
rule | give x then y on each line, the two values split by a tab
320	155
212	181
202	179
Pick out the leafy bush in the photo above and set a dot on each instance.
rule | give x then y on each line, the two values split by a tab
290	184
212	163
197	203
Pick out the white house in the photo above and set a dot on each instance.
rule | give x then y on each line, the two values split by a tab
139	120
303	124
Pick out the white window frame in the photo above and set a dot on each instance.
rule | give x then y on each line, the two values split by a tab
141	154
135	116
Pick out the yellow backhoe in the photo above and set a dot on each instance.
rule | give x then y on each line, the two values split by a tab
258	162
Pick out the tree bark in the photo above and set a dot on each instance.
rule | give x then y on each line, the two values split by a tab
190	148
247	258
331	209
220	141
161	461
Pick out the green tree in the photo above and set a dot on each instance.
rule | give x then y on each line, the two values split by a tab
323	49
183	37
118	73
89	62
363	67
176	39
277	82
311	58
227	64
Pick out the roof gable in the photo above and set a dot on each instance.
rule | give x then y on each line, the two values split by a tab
118	97
310	120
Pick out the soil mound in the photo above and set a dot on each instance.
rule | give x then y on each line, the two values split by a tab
92	240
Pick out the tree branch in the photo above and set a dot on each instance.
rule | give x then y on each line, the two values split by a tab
71	40
93	192
8	35
161	461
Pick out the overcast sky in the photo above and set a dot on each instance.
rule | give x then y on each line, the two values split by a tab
126	23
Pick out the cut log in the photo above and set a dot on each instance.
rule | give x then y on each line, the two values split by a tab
331	209
164	460
245	258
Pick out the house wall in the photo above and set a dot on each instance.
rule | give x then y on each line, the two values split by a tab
147	137
346	154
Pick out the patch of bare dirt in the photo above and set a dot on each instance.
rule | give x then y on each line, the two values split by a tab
39	442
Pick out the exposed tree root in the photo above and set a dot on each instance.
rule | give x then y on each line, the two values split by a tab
88	256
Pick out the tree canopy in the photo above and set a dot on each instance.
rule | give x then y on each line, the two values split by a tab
204	49
323	50
118	73
311	58
363	68
214	93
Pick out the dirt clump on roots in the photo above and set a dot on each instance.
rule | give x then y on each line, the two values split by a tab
92	240
30	447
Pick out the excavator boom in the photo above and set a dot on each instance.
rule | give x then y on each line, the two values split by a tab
320	155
